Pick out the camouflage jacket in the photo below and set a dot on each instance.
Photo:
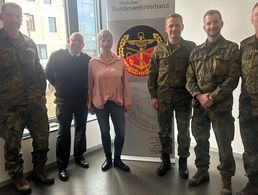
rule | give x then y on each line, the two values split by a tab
249	66
22	77
167	74
215	70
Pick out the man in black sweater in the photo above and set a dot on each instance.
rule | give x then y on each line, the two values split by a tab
67	71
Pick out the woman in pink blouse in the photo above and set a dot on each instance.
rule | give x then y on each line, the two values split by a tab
108	96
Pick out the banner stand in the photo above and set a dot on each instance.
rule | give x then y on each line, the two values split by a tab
137	27
145	159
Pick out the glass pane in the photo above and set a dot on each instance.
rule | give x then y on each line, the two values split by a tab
52	24
29	22
87	25
46	42
47	1
42	51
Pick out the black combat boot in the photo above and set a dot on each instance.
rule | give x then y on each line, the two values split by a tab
165	165
183	170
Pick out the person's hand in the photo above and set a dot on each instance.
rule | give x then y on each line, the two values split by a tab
126	108
90	110
205	100
154	103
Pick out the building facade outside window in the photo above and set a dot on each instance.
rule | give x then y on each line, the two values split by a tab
47	1
36	25
52	24
42	51
39	25
30	22
87	25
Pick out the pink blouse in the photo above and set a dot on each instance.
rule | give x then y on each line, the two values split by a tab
108	81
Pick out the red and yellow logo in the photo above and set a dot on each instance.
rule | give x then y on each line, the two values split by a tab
136	46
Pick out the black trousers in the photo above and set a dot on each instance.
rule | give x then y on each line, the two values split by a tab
65	114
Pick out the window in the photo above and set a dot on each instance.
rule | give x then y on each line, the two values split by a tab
47	1
52	24
39	27
30	22
87	25
42	51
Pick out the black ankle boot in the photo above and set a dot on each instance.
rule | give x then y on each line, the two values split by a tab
165	165
107	164
183	170
119	164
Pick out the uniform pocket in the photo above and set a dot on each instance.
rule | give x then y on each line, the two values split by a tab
163	60
27	55
163	68
7	61
202	70
220	65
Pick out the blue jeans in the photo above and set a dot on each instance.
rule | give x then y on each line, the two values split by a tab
118	118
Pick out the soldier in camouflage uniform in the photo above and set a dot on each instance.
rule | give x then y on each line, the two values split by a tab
212	76
168	93
248	106
22	99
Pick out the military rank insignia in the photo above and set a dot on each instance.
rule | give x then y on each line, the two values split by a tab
136	46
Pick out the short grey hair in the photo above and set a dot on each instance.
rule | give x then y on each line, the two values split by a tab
104	34
77	35
10	4
175	16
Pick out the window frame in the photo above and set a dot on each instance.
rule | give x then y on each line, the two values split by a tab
39	48
71	19
30	22
53	24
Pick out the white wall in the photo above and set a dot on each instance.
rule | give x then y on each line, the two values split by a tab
236	15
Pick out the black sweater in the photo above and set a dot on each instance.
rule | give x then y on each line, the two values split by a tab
69	75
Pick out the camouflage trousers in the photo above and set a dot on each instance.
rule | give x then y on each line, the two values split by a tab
248	121
223	127
182	111
13	121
